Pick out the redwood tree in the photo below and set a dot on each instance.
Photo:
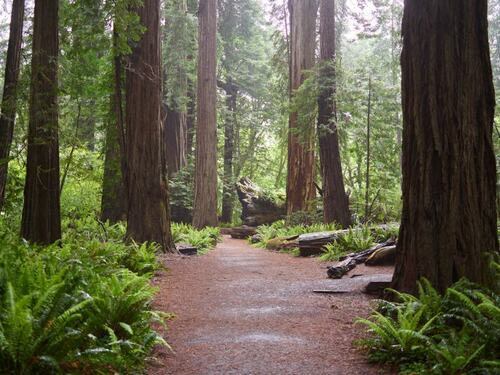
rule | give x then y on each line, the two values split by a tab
41	219
205	194
449	174
148	216
114	195
8	115
335	201
300	190
175	109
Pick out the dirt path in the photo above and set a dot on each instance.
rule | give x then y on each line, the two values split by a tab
242	310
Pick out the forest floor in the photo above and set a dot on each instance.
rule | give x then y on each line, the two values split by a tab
242	310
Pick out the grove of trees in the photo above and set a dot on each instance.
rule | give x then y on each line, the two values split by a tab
120	118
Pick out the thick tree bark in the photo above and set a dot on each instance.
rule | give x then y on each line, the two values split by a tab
9	98
114	193
148	206
205	195
229	124
449	214
335	201
41	220
300	190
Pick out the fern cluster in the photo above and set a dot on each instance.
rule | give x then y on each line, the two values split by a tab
454	333
77	307
203	239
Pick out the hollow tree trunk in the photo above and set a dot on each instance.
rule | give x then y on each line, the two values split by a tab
41	219
335	201
229	183
9	98
205	195
148	206
449	214
300	190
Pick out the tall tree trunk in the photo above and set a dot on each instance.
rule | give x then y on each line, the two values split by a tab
190	118
9	98
148	216
205	194
176	77
41	219
368	151
335	201
175	139
229	124
300	190
449	214
114	193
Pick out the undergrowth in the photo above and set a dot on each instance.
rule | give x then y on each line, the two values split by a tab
204	239
353	240
454	333
79	306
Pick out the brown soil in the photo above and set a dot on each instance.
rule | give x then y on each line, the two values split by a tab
242	310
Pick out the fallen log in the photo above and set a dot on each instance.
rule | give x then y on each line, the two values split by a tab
315	243
243	232
384	255
350	261
257	207
186	249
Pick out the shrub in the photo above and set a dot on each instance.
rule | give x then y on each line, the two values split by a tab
203	239
456	333
75	307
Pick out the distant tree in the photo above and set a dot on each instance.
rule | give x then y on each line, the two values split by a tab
148	216
300	189
41	219
9	98
114	195
205	195
335	201
176	85
449	221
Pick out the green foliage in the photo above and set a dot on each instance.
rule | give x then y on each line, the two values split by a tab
204	239
74	307
452	334
181	192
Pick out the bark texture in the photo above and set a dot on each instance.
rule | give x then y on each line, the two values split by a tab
205	189
335	201
9	98
449	213
41	219
148	206
300	190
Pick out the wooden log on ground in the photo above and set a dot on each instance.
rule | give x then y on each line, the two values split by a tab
257	206
384	255
315	243
351	260
186	249
243	232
